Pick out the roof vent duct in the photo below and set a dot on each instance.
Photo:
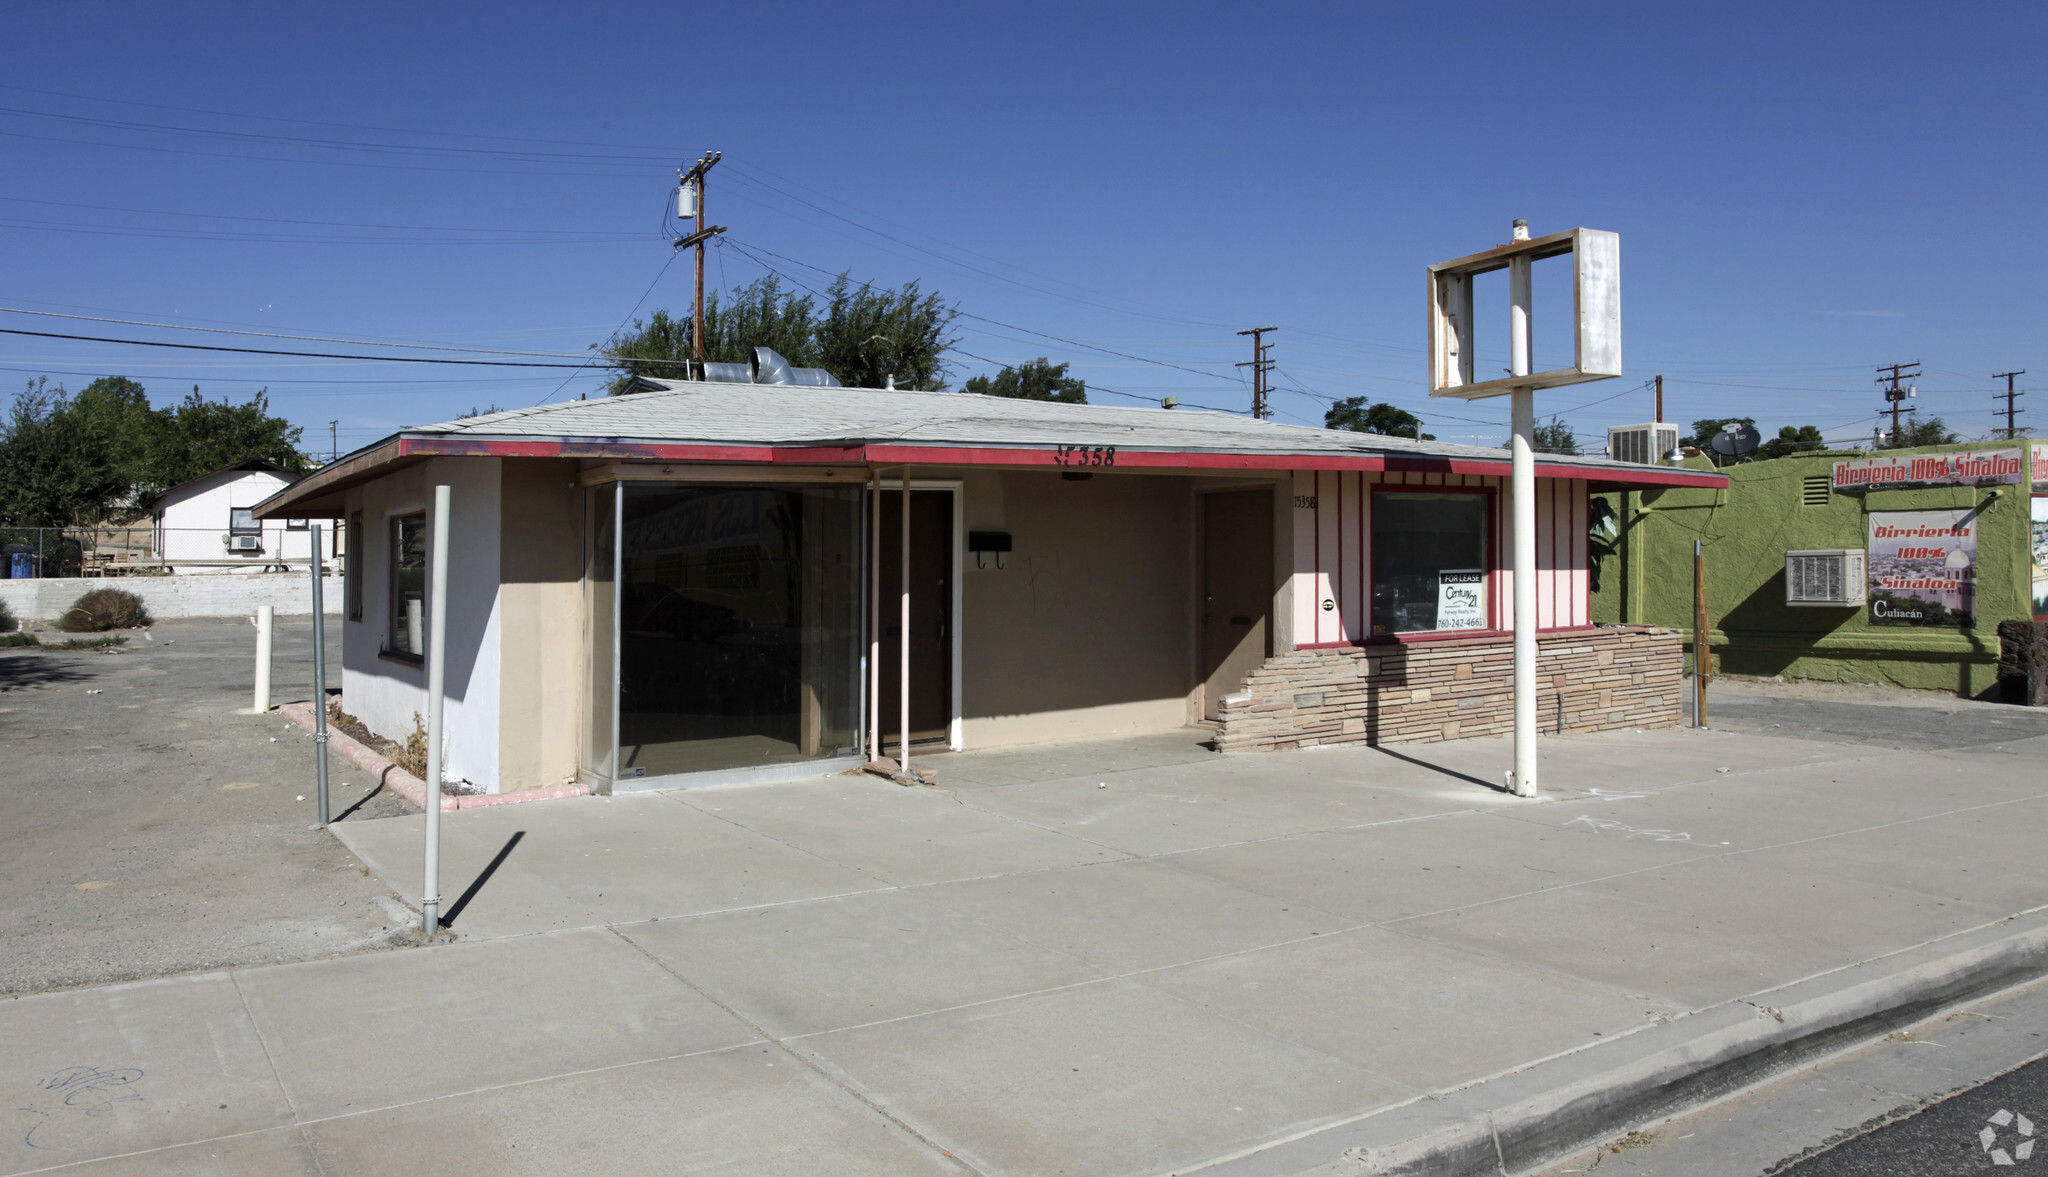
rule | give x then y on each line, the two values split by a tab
770	368
729	373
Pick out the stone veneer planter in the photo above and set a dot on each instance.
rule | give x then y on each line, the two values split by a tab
1588	680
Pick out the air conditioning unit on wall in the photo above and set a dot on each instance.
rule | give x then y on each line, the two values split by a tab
244	543
1645	445
1830	577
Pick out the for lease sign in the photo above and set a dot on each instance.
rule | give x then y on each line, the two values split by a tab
1961	468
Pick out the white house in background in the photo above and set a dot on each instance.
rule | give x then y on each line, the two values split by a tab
207	524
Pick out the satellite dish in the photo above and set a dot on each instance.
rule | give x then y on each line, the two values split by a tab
1735	441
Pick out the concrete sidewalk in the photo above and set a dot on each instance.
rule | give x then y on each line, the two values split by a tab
1127	958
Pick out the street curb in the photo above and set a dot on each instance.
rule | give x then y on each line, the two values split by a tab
409	786
1524	1120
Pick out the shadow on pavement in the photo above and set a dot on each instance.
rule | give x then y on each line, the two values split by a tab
504	852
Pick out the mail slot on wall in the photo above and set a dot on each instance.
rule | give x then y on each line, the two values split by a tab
984	543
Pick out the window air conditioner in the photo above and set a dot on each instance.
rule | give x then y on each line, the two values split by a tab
1835	577
1645	445
245	543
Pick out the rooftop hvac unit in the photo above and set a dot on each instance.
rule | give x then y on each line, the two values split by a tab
1831	577
245	543
1645	445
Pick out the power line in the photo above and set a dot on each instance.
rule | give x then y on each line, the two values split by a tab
748	250
316	355
615	331
489	351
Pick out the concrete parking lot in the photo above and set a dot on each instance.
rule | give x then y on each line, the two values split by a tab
1120	957
149	829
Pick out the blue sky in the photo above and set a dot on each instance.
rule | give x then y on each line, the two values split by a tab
1803	192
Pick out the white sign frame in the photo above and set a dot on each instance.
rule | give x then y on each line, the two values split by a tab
1596	295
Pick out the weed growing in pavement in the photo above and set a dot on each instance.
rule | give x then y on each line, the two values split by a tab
10	640
413	757
112	639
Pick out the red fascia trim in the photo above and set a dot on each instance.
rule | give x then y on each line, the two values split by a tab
1150	459
826	455
596	448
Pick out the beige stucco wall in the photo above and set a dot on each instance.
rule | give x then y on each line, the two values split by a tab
1089	629
540	623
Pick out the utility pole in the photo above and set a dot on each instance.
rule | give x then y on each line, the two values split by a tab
690	205
333	441
1895	397
1259	365
1659	418
2011	429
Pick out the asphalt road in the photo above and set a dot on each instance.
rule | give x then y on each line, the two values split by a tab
1929	723
147	829
1969	1132
1916	1104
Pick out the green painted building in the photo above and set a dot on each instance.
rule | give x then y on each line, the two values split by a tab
1905	562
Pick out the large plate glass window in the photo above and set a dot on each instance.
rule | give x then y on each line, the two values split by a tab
739	627
408	618
1429	562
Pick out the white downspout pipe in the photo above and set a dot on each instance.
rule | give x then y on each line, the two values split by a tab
1522	498
437	677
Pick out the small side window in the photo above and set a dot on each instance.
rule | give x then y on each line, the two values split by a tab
352	567
242	521
408	615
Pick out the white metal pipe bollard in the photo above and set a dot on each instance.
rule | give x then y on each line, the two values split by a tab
1522	498
903	662
875	618
265	620
437	649
319	681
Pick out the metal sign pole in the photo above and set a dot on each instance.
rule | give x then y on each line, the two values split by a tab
319	681
437	671
1523	501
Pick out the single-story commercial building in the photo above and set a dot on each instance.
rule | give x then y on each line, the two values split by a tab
702	583
1894	566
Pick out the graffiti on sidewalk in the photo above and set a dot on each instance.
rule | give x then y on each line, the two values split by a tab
1601	825
84	1091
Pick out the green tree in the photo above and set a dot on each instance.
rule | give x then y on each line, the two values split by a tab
1554	438
862	335
1913	433
1033	380
868	336
203	435
1805	439
53	472
1360	415
72	460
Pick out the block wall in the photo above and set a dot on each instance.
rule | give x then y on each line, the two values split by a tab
1588	680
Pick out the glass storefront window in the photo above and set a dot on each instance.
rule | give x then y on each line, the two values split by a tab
1429	562
738	627
408	618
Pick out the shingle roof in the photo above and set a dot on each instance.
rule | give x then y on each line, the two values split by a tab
777	415
764	422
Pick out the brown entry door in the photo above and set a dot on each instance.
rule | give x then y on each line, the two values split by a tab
931	614
1237	590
